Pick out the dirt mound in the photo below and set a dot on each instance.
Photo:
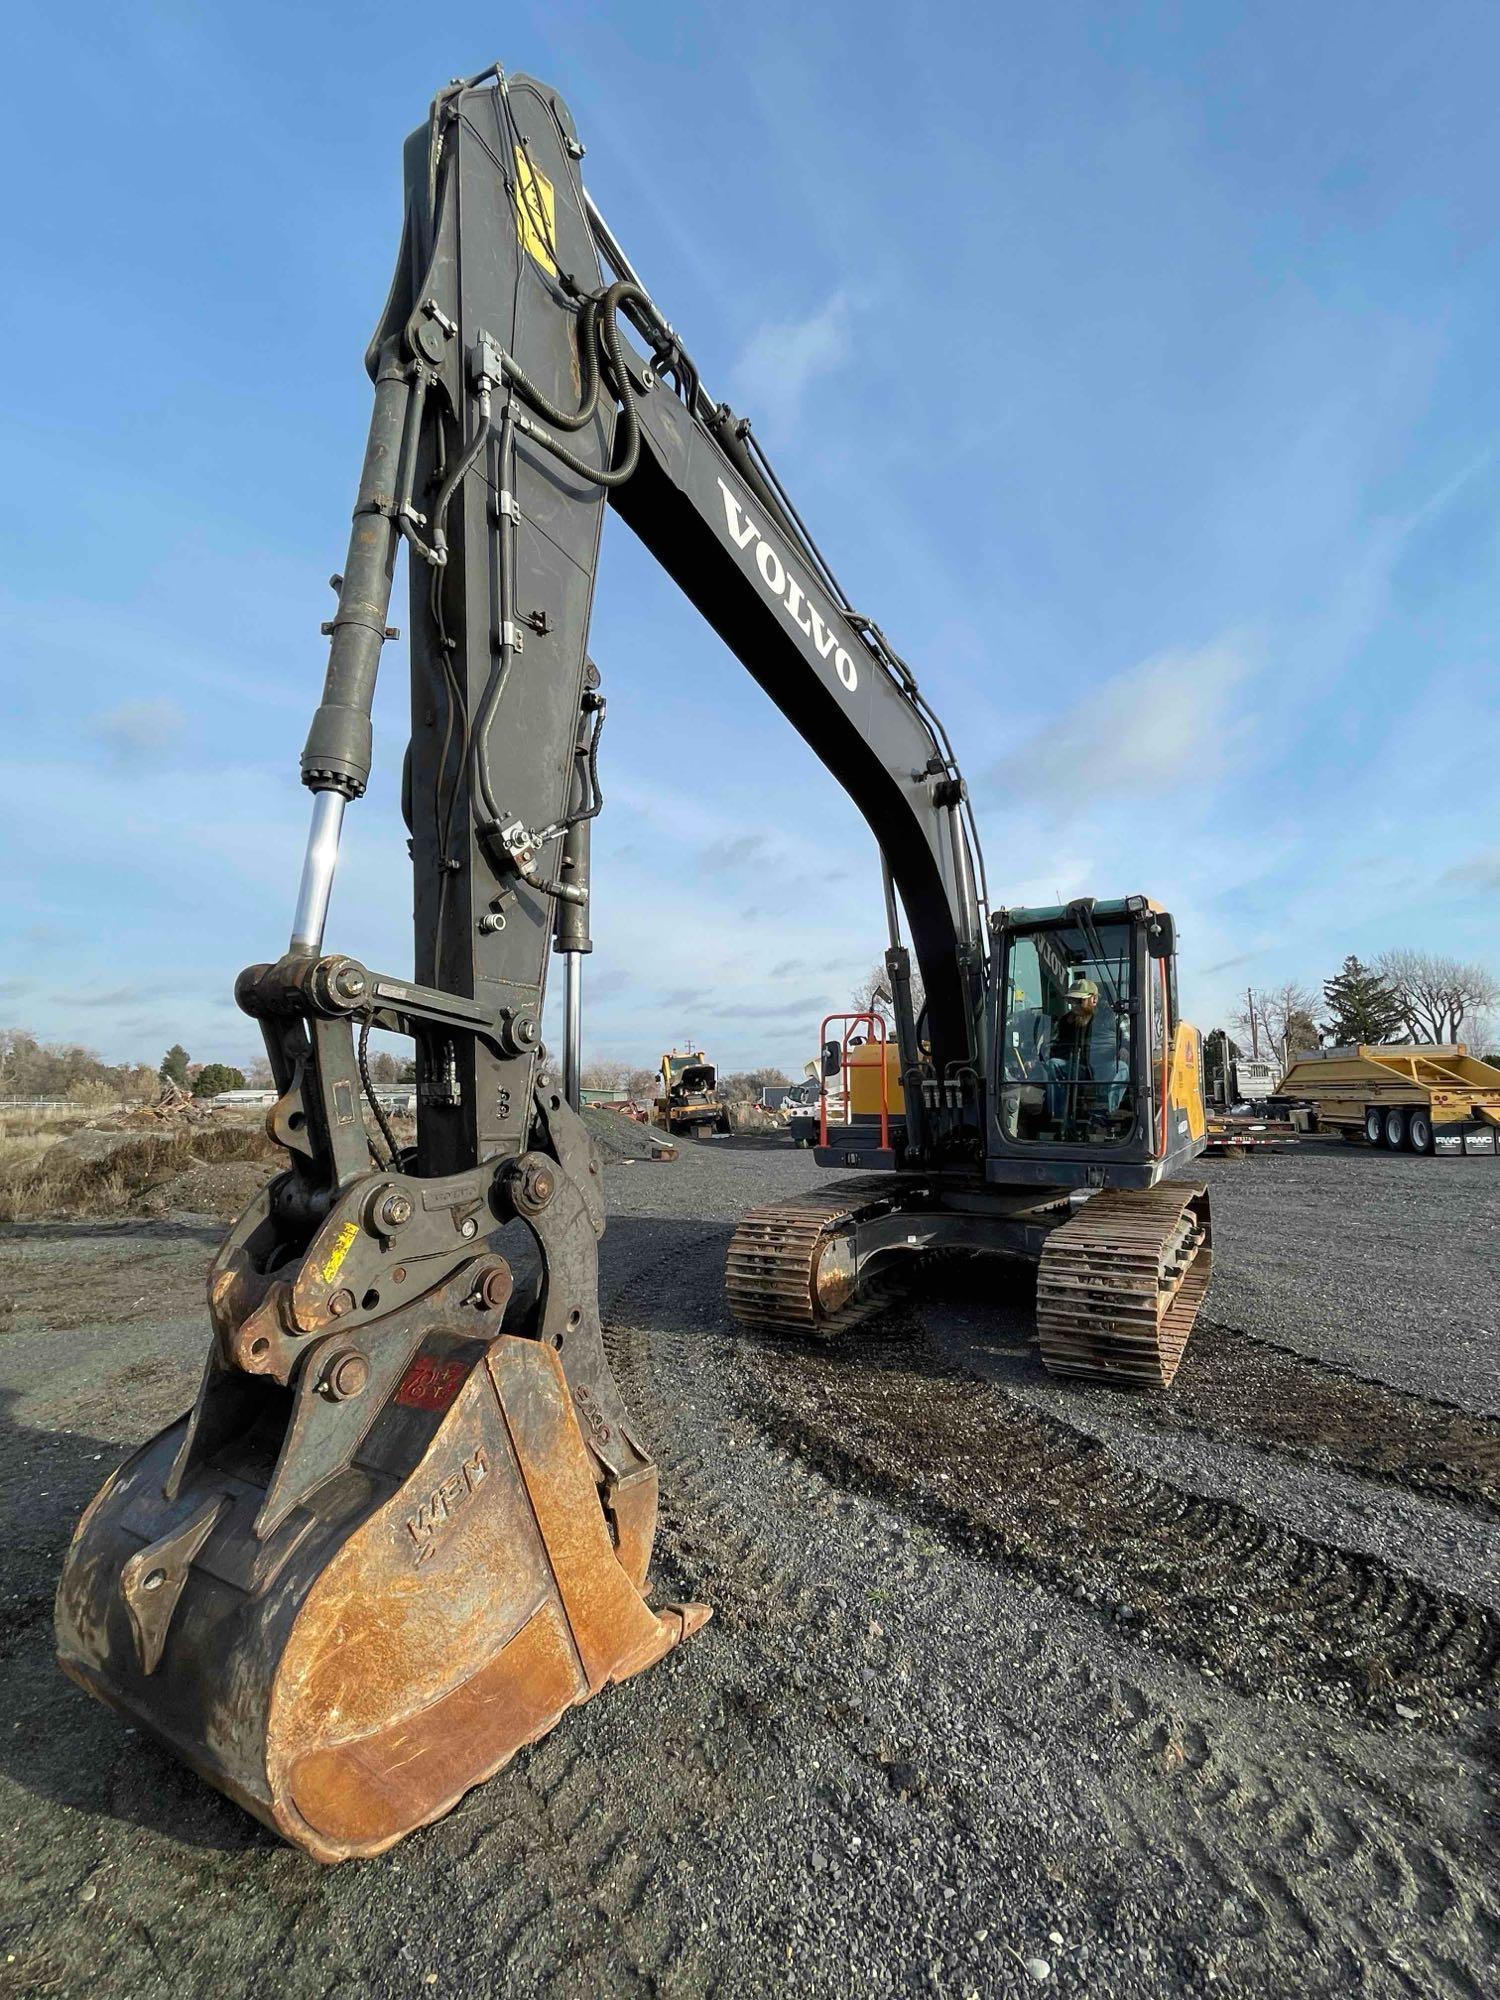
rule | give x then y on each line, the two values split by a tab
620	1138
92	1142
221	1189
116	1176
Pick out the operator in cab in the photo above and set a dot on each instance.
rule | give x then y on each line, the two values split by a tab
1070	1060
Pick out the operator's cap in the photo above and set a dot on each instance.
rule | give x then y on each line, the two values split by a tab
1081	987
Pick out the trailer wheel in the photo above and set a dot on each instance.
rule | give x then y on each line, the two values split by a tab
1374	1125
1419	1130
1395	1128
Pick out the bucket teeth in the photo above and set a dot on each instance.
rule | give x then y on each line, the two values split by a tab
1120	1284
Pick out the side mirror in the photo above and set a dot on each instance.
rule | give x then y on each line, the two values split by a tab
833	1059
1161	935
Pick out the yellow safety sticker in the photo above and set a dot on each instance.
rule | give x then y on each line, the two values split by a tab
536	212
343	1243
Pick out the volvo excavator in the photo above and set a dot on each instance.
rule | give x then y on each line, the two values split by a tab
407	1523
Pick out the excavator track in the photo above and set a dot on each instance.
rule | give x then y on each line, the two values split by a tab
1120	1284
786	1272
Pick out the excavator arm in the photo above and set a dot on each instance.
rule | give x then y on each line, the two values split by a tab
513	399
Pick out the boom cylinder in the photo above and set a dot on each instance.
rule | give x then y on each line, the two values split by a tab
337	753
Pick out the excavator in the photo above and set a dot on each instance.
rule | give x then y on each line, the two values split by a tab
408	1521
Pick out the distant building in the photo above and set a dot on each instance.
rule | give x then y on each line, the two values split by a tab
400	1101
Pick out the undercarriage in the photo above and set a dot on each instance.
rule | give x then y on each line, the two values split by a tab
1120	1275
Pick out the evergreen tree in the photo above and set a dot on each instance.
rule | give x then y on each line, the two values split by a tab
174	1066
214	1077
1361	1006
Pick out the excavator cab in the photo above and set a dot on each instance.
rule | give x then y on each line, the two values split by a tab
1092	1065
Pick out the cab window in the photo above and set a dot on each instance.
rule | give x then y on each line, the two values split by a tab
1065	1037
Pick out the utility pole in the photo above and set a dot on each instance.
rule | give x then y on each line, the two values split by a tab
1254	1029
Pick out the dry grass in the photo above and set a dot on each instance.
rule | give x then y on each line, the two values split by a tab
44	1126
37	1183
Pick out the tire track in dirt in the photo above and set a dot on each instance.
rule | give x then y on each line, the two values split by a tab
1239	1386
1276	1846
1270	1610
598	1856
1284	1838
1242	1388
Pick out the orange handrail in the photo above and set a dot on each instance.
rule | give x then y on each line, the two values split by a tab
879	1035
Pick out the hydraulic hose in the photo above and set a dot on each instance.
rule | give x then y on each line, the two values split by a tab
605	326
588	370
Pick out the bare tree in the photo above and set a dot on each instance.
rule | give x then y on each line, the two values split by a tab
873	993
139	1083
641	1082
1437	994
604	1074
1277	1021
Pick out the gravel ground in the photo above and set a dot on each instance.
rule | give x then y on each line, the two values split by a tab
1010	1688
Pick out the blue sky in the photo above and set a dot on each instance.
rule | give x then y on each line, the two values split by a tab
1135	365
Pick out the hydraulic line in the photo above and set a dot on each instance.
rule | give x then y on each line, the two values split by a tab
618	294
373	1101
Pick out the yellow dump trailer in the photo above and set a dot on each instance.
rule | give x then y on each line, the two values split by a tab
1419	1097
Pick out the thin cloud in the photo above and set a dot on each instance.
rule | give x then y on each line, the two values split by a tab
1479	871
139	729
120	996
1163	725
736	851
809	1008
783	359
608	981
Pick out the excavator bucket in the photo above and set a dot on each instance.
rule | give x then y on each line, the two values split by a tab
437	1603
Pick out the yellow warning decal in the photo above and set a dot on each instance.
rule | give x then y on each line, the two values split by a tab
343	1243
536	212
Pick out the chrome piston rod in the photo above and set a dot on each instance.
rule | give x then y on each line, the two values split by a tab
572	1025
318	867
